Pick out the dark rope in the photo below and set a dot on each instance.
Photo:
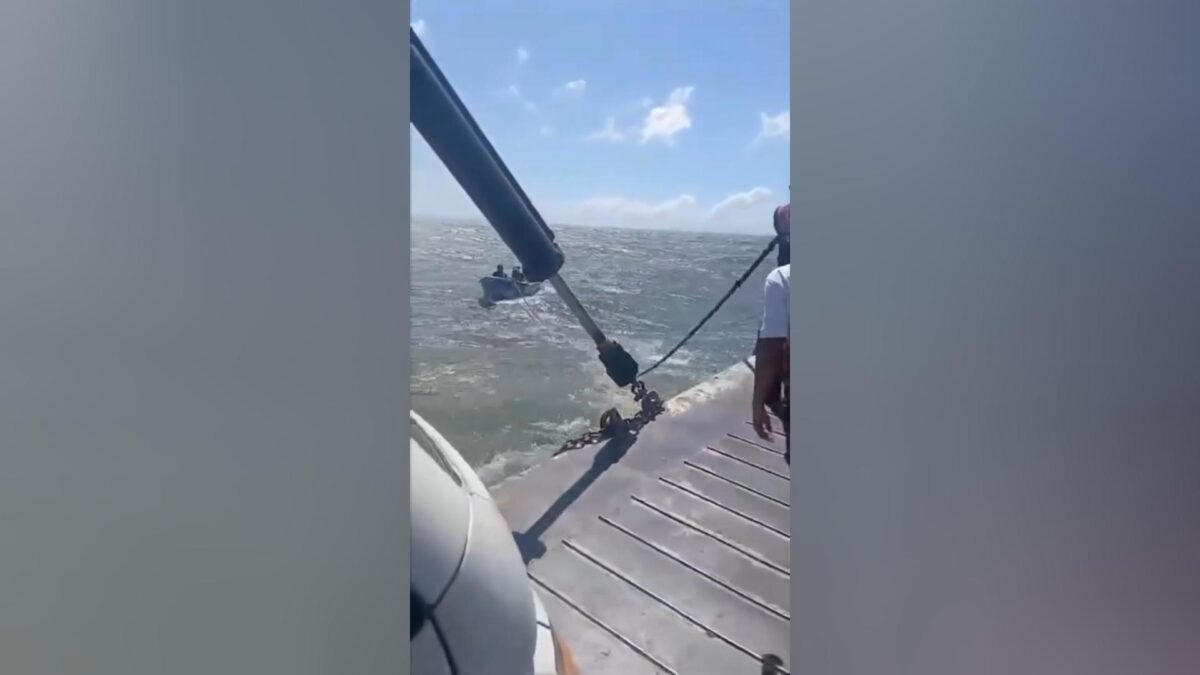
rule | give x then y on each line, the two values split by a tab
736	285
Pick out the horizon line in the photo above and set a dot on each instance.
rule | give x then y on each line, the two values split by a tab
480	220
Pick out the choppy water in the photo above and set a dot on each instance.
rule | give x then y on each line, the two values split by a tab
506	385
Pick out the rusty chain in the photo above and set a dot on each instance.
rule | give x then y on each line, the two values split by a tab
612	424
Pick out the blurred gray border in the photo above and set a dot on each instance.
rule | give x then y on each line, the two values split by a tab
996	364
204	337
795	16
403	531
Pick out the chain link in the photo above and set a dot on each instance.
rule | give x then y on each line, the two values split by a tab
611	422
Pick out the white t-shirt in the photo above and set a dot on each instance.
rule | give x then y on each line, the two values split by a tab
775	322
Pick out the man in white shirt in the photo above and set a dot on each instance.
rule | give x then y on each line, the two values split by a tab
771	364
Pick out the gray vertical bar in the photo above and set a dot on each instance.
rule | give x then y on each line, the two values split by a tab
203	337
997	260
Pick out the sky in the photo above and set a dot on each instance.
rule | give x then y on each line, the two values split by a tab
657	115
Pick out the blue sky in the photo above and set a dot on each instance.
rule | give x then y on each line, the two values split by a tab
658	114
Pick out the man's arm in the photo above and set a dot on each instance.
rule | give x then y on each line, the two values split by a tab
768	369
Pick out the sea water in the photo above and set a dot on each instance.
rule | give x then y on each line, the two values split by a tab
508	384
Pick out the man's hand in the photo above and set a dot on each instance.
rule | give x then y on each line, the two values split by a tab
762	422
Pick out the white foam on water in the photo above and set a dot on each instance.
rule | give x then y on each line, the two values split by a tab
679	359
545	436
564	428
614	290
512	463
731	378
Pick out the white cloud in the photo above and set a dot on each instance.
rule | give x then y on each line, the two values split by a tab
436	193
609	133
572	88
748	211
621	207
515	91
738	201
419	27
663	122
775	126
522	55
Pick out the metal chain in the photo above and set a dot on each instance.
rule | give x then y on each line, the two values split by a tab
612	424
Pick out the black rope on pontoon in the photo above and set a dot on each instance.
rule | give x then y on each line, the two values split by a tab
736	285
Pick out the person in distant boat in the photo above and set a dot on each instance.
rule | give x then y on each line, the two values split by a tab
517	274
499	273
772	387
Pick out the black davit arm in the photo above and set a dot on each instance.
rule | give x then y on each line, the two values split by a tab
446	125
442	119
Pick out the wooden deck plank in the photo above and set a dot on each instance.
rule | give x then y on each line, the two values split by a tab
732	498
670	552
663	635
745	433
755	582
592	647
753	541
755	454
746	476
736	620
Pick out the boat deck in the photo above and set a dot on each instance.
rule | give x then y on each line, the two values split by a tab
669	554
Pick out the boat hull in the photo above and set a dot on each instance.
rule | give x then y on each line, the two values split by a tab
496	289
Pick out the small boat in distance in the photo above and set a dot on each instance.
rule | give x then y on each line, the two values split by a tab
498	289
